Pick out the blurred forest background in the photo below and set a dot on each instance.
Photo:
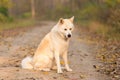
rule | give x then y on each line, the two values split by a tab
99	16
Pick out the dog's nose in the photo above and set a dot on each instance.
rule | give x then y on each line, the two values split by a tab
69	35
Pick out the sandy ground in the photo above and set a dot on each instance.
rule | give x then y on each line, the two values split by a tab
14	49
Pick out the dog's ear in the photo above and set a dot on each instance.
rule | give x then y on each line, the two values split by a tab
72	19
61	21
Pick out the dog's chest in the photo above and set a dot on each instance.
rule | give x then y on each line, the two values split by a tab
62	46
59	44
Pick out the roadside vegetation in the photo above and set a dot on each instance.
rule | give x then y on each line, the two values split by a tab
17	24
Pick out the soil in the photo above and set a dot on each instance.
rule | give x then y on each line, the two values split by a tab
14	48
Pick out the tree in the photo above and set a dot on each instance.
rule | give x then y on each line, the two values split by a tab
33	8
4	5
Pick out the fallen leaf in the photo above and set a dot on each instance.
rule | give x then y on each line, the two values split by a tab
82	76
62	62
46	73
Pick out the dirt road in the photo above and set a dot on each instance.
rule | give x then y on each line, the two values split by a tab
14	49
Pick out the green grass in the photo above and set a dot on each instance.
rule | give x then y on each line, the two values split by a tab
17	23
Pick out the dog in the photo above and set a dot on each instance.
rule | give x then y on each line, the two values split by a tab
52	46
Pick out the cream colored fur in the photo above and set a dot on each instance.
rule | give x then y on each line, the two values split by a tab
52	46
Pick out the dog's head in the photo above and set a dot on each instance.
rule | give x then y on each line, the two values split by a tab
66	27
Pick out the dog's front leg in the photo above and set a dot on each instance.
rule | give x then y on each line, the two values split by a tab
66	62
57	58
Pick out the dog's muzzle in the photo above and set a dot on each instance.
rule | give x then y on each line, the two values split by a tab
69	36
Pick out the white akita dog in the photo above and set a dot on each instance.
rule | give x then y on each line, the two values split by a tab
52	46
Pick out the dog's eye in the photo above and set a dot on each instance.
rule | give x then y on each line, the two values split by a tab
70	28
65	29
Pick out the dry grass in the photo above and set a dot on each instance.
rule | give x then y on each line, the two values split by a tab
103	30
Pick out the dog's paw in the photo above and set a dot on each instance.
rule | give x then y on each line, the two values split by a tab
54	67
60	71
69	69
46	69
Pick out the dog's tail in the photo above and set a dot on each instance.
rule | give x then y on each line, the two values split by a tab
26	63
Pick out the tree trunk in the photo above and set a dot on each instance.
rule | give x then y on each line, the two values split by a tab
33	8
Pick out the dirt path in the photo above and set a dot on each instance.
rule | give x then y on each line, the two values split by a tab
14	49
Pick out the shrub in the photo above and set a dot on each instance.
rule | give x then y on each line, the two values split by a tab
114	19
26	15
4	11
3	18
